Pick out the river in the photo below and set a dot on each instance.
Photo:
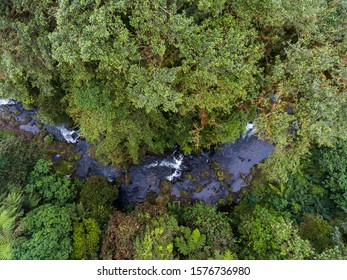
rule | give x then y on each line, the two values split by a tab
208	176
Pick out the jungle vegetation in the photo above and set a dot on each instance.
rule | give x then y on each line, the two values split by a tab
140	77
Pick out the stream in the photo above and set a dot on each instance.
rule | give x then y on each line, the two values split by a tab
208	176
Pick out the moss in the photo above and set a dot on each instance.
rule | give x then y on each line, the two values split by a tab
165	186
206	174
215	165
222	174
17	112
151	197
198	188
40	125
190	176
65	167
162	199
28	106
184	195
27	120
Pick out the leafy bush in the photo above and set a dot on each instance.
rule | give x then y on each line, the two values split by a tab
156	243
17	159
99	197
266	235
215	225
86	237
46	234
317	231
51	187
189	243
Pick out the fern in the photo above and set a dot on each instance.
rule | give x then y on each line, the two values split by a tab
226	255
7	224
189	243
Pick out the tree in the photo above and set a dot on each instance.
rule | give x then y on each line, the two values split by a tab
215	225
98	198
157	67
189	243
317	231
52	188
86	238
28	70
266	235
125	227
156	243
17	159
303	101
46	234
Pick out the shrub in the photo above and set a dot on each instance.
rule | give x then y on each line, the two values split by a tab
98	197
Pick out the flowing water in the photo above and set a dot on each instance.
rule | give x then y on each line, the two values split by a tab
207	176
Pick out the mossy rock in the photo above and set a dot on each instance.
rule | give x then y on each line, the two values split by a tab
124	178
223	174
183	194
206	174
215	165
10	118
65	167
28	106
17	112
165	186
198	188
190	177
27	120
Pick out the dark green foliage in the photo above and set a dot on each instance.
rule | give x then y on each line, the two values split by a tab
17	159
98	198
139	77
86	238
189	243
317	231
331	169
215	225
51	187
46	234
266	235
28	71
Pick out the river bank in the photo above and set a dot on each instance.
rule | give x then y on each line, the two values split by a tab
209	176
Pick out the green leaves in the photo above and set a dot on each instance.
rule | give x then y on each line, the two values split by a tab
52	188
265	235
156	243
190	242
86	237
46	234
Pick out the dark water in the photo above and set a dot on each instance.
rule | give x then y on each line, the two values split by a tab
208	176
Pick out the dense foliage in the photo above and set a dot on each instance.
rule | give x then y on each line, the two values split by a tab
140	77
